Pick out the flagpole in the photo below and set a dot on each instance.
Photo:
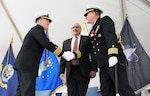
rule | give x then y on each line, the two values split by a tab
7	59
10	18
116	80
47	59
124	10
8	55
124	15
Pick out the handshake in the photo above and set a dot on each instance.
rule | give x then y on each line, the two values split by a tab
68	55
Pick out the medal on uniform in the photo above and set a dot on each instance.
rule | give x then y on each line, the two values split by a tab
92	33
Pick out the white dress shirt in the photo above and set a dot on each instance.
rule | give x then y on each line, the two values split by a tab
73	40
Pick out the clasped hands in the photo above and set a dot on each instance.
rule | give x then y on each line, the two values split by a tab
68	55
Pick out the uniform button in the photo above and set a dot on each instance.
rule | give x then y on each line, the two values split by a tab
94	52
93	46
92	41
98	49
97	44
113	45
99	35
94	38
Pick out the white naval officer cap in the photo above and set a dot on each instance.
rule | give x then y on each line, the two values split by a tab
91	8
42	15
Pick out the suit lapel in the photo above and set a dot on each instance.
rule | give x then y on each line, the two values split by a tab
69	44
81	42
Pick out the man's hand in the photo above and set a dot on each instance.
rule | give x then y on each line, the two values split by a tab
68	55
92	74
112	61
62	77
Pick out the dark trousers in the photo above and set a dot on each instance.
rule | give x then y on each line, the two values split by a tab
26	80
107	79
77	84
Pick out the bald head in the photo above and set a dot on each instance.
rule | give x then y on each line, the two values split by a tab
76	29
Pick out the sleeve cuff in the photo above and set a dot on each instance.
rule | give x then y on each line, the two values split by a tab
112	50
58	51
78	54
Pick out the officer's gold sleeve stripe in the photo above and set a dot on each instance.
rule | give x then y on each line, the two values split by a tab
57	51
112	51
78	53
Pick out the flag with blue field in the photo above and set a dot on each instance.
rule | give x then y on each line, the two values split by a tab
8	76
138	68
48	80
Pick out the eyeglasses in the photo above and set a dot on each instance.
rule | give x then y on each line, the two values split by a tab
75	27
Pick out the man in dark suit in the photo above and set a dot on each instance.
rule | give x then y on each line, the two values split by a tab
107	53
77	75
27	61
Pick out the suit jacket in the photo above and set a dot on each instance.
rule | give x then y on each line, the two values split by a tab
84	62
30	53
104	42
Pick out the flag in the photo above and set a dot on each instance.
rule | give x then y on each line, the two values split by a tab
8	76
138	69
48	80
84	29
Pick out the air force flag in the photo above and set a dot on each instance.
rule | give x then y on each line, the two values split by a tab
48	80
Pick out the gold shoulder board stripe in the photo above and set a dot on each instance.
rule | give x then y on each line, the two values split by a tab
57	51
78	53
112	51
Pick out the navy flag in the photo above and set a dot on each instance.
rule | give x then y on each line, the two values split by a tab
8	76
138	69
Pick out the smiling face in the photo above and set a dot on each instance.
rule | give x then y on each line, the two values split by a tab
76	29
